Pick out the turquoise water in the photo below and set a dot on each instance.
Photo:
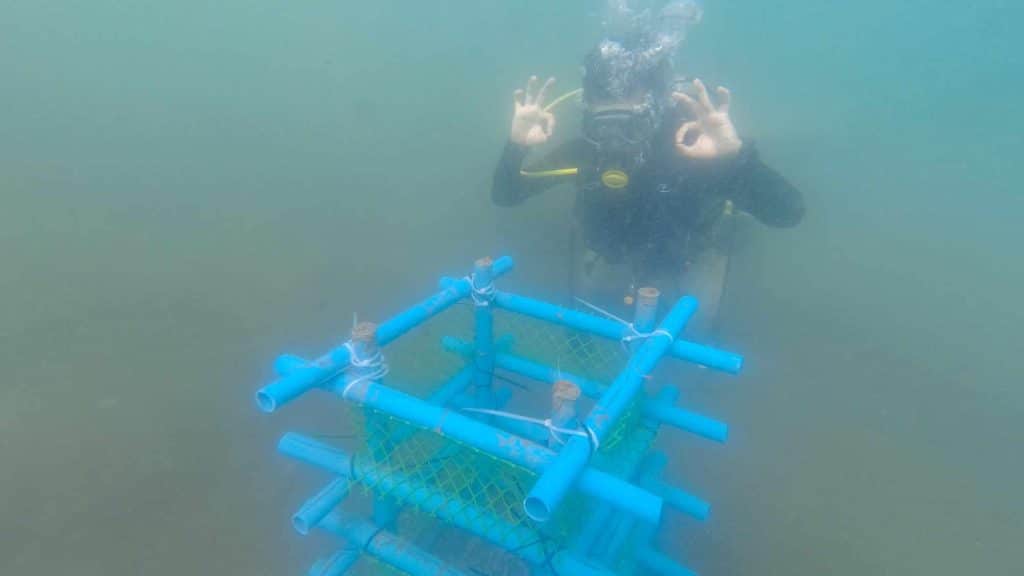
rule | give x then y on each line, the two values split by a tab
189	188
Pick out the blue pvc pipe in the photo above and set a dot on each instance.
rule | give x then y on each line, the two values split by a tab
314	510
387	547
592	529
708	356
453	387
301	378
683	501
483	333
516	539
679	499
285	364
541	373
457	346
549	490
450	393
561	316
336	564
646	313
639	463
420	313
664	412
659	563
682	349
496	442
648	471
690	421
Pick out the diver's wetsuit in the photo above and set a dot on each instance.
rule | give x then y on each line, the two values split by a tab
669	208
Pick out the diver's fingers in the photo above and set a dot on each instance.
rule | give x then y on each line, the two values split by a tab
687	101
549	123
531	91
520	98
702	95
724	98
544	90
681	134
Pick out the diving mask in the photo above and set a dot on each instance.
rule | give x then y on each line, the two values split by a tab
615	127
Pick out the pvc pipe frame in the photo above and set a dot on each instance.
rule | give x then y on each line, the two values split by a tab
509	447
516	539
664	412
682	349
549	490
303	376
298	376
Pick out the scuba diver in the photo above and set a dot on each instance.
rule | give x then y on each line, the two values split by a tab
659	171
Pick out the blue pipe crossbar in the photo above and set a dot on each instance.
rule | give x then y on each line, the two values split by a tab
336	564
386	547
301	379
682	349
420	313
639	463
690	421
659	563
314	510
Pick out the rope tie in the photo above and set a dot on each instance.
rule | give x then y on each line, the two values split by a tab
634	333
360	369
481	296
555	431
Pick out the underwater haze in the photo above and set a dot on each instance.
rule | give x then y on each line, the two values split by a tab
189	188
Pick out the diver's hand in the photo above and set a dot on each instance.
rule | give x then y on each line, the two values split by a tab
532	124
711	133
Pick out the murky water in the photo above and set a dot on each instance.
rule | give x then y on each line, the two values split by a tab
188	189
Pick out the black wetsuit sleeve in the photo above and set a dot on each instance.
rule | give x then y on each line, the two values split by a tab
511	187
759	190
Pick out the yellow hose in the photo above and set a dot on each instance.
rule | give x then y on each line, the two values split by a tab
562	98
560	171
546	173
